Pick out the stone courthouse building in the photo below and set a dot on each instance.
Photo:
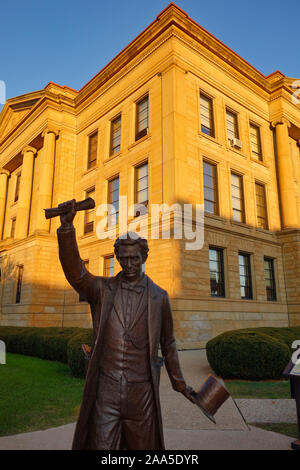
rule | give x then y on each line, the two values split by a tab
175	117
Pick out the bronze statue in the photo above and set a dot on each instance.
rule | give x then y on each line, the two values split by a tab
131	316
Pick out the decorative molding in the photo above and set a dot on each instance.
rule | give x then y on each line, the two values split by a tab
281	120
28	148
4	172
50	130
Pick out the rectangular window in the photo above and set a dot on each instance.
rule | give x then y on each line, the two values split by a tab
206	115
216	271
81	297
142	117
108	266
210	188
238	213
89	214
13	227
115	136
245	276
17	190
255	142
141	184
232	125
261	205
92	152
270	279
113	199
19	284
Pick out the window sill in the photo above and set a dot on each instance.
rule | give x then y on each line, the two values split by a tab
241	224
208	137
87	235
111	157
235	150
259	162
139	141
90	170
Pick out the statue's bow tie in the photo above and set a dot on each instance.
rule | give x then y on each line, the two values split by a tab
137	289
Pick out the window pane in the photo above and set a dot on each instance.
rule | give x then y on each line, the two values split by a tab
237	198
245	276
92	156
261	205
206	115
109	263
210	188
216	269
141	184
89	214
255	142
113	198
270	279
232	125
115	135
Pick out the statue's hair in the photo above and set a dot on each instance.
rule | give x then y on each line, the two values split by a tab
131	238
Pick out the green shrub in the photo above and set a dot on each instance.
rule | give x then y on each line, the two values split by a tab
45	343
76	358
248	354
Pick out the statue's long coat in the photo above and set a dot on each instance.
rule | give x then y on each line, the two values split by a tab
100	293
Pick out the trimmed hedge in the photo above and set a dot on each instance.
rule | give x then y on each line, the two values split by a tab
252	353
47	343
76	358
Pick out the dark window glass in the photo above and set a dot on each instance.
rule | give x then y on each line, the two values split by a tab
142	118
113	198
245	276
92	154
89	214
13	227
261	205
108	268
270	279
19	284
232	125
216	270
210	188
17	191
237	198
81	297
115	141
255	142
141	184
206	115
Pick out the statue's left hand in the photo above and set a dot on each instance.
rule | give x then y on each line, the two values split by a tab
189	394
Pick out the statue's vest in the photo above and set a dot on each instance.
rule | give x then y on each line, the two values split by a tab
125	350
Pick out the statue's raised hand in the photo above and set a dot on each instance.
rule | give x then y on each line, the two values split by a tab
68	215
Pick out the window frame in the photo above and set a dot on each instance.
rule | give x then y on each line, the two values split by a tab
236	130
259	156
215	189
17	186
144	131
219	250
263	186
212	130
248	275
92	163
241	198
109	182
112	151
273	280
105	258
19	284
87	227
136	168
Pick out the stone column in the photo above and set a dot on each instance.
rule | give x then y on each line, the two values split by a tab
4	174
46	178
24	199
285	175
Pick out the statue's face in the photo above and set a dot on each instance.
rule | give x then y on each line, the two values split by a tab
130	259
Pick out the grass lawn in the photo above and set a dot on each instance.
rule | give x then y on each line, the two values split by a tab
260	389
36	394
288	429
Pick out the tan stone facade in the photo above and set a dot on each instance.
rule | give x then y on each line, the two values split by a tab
44	160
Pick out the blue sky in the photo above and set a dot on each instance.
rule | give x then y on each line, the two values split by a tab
68	42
